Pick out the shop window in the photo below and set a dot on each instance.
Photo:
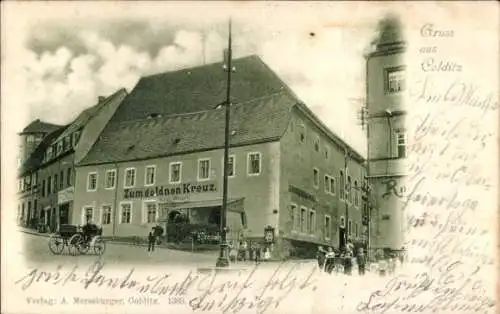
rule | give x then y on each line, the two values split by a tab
254	163
203	169
92	181
129	178
110	181
175	172
150	175
106	215
125	213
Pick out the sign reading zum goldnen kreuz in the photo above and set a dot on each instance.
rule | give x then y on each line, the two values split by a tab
182	190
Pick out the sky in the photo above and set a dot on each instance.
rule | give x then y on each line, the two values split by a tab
57	62
64	62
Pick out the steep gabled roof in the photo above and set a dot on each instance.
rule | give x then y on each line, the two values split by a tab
38	126
35	160
198	89
84	117
256	121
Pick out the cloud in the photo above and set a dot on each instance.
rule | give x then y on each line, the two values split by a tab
65	76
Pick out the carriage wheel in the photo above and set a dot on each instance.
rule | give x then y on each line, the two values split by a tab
56	244
76	244
99	245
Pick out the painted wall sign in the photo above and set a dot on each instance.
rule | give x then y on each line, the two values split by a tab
182	191
66	195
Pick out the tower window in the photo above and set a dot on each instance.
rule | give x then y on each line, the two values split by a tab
401	144
395	80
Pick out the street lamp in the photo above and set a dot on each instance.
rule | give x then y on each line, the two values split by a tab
223	259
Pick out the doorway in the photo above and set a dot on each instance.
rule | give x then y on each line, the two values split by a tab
64	214
342	238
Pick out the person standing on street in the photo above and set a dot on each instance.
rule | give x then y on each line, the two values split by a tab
151	240
361	260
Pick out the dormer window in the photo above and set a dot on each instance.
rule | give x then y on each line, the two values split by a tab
76	137
49	153
59	147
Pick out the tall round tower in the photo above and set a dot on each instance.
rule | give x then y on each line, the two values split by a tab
385	94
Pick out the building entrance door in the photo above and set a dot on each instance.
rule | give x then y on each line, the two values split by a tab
341	238
64	214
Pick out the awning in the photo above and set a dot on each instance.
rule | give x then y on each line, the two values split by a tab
233	205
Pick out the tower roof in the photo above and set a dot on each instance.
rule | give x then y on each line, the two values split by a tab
39	126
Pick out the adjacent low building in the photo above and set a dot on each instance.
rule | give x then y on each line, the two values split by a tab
161	155
48	194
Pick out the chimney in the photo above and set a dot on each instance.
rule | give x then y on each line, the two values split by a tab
101	98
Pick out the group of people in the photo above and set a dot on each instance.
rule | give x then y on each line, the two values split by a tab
331	260
244	253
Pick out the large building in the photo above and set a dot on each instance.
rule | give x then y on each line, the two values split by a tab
161	155
48	172
386	87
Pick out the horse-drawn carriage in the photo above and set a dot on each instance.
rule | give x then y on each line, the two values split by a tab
78	240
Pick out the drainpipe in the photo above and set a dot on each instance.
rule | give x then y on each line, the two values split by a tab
115	203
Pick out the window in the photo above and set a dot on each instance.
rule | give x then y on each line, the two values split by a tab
65	143
34	178
328	227
294	217
59	147
342	186
333	186
43	188
311	222
55	183
76	137
151	212
68	177
401	144
30	138
254	163
301	131
150	175
49	153
129	178
203	169
342	222
348	190
125	213
349	227
175	172
356	229
395	80
49	184
316	143
327	151
231	163
327	184
106	214
303	219
88	214
61	180
356	194
110	181
92	181
315	177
